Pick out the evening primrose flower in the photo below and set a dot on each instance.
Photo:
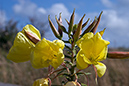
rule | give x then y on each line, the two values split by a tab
41	82
21	49
47	53
71	83
92	50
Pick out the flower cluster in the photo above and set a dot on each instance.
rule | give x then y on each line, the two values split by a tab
86	49
42	53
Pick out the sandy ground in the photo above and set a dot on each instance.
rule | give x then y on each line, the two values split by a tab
4	84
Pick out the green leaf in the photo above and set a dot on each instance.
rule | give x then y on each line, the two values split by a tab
82	84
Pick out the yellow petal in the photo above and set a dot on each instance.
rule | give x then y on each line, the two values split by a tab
86	36
46	53
59	43
87	47
81	64
40	54
103	54
99	44
21	49
41	82
58	60
101	69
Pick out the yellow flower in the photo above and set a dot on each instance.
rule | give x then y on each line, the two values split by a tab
71	83
47	53
21	49
41	82
92	49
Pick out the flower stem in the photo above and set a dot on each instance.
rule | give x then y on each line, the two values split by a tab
72	60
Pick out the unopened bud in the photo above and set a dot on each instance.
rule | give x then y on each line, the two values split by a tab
79	29
32	37
59	29
118	55
41	82
54	30
72	83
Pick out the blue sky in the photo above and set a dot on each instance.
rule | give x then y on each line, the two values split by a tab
115	14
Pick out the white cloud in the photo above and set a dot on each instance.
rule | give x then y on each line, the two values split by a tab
115	17
30	9
2	18
42	10
116	20
27	8
107	3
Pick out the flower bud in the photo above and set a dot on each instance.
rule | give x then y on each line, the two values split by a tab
59	29
118	55
79	29
71	23
56	33
32	37
71	83
41	82
96	25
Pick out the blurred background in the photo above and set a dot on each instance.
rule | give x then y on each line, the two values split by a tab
15	14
